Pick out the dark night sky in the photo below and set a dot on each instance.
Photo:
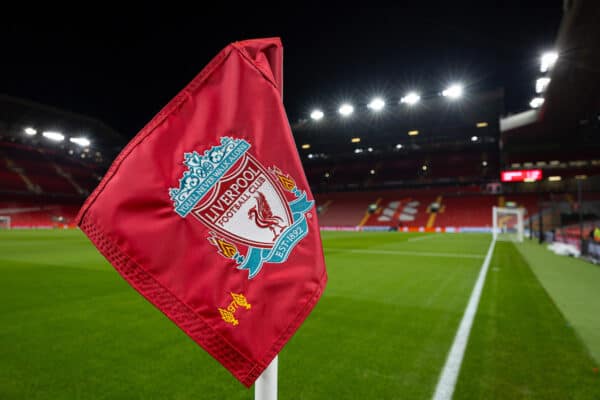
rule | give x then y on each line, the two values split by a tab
124	68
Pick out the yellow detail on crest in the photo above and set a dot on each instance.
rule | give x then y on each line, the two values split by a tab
228	314
225	248
228	317
286	181
241	301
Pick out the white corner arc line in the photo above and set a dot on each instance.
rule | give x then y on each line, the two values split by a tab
447	381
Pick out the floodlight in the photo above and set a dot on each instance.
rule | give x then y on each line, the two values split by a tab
346	109
541	84
453	91
376	104
548	60
81	141
411	98
536	102
56	136
30	131
316	115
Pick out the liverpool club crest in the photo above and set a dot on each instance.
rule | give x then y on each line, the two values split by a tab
245	205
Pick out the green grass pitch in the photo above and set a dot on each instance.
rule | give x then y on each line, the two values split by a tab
71	328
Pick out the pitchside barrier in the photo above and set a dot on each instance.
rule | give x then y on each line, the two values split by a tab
38	227
578	235
591	250
5	222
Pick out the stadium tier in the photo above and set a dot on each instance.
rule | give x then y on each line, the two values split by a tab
40	170
40	188
46	173
445	208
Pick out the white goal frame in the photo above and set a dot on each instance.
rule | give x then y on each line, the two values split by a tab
4	222
518	212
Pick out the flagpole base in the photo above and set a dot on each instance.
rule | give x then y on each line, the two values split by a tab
265	387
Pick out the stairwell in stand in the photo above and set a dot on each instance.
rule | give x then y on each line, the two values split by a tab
364	220
69	178
433	215
19	171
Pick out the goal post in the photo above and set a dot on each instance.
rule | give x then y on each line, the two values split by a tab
4	222
508	223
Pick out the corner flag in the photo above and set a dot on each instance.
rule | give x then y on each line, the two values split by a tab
207	212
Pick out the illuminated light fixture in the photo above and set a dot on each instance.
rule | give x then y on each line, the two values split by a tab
370	149
372	172
326	174
474	138
346	109
411	98
424	167
554	162
453	91
482	124
484	163
376	104
30	131
310	156
358	151
529	180
399	146
56	136
548	60
554	178
355	140
541	84
317	115
306	146
81	141
536	102
580	176
413	133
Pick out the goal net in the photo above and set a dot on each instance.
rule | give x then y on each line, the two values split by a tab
508	223
4	222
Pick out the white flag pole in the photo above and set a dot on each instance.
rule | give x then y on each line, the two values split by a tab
265	387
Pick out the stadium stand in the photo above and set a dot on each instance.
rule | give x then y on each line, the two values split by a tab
432	209
43	183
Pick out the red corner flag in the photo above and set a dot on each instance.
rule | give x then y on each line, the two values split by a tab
207	212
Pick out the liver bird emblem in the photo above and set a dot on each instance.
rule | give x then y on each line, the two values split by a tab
263	216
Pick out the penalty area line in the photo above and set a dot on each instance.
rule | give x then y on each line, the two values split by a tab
447	381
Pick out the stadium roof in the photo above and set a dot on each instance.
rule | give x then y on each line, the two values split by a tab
572	99
17	114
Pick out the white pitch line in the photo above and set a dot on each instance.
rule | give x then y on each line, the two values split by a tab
447	382
411	253
414	239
